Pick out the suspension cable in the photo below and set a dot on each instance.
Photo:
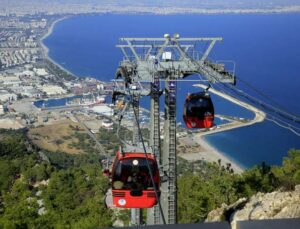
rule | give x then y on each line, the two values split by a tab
283	126
272	118
147	159
266	106
119	125
266	96
283	113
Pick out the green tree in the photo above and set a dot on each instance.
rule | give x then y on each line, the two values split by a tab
21	208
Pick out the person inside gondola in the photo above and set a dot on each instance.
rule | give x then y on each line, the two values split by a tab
133	174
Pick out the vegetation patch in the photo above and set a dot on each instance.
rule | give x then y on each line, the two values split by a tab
67	190
65	136
54	193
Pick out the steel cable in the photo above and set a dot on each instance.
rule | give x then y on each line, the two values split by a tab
147	160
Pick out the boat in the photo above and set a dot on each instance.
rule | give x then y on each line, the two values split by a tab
95	100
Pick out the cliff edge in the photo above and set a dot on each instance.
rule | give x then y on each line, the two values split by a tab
274	205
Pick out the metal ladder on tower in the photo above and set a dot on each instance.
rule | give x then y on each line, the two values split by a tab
154	213
172	151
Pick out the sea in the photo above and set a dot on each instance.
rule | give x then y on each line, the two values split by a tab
264	47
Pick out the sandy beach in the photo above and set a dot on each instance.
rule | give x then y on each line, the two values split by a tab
45	48
208	153
213	154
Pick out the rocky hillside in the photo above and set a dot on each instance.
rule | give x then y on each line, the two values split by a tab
274	205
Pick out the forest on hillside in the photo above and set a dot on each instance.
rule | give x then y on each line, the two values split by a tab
67	191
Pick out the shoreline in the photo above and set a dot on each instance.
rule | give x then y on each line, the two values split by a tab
46	49
211	154
237	167
259	114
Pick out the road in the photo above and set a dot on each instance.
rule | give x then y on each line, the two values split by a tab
98	144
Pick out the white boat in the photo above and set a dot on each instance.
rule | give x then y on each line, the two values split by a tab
95	100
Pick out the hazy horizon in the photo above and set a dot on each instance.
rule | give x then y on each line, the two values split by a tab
205	4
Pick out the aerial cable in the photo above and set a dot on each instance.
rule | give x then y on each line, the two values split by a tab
266	106
147	159
273	118
119	126
274	109
283	126
282	113
265	96
144	148
282	121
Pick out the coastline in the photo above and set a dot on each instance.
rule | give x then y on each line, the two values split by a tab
46	49
209	153
259	114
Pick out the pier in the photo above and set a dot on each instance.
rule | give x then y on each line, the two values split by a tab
235	122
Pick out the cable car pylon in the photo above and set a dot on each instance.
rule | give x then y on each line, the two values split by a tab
147	63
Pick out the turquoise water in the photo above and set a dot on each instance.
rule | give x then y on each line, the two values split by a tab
264	47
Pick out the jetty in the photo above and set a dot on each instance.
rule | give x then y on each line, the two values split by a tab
236	123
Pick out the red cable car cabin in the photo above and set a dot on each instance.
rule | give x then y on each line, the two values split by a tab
198	111
132	186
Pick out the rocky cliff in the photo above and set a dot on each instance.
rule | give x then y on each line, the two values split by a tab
275	205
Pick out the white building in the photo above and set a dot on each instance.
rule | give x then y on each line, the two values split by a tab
29	91
103	109
26	73
53	90
68	84
40	71
10	79
107	124
28	66
100	87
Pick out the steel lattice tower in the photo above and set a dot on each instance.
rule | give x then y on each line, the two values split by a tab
148	62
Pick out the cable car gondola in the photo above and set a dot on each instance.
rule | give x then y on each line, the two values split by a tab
132	186
198	110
